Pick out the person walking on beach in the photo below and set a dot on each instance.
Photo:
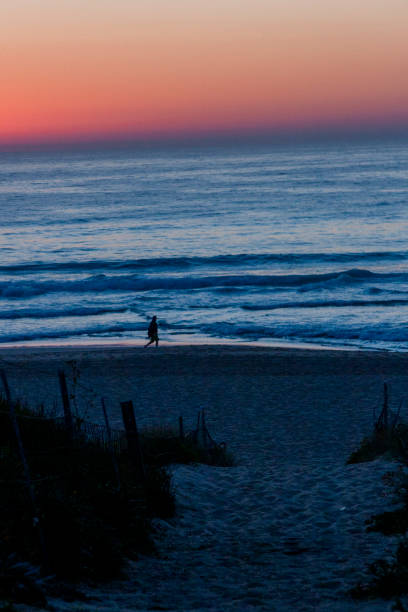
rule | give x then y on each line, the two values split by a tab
152	332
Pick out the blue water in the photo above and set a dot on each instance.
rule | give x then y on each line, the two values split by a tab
298	244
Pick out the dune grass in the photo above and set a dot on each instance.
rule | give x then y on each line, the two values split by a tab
392	442
88	527
388	578
164	446
89	522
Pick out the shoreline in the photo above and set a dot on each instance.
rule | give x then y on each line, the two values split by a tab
198	341
165	344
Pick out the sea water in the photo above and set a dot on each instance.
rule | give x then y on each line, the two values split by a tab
262	244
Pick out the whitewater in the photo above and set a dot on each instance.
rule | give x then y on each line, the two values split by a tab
299	244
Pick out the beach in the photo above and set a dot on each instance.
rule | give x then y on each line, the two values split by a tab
284	528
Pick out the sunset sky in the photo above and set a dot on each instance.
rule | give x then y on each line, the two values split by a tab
94	69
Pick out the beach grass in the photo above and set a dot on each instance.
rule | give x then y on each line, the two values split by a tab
164	446
80	513
69	517
391	442
389	577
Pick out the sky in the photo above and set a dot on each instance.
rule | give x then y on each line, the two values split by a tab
146	69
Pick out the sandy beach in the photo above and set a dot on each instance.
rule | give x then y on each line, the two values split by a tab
284	528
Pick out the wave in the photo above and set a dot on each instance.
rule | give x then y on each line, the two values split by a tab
242	259
86	311
99	330
386	291
92	331
242	331
51	313
298	332
128	283
307	333
326	304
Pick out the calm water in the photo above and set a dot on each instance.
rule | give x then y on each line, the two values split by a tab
294	244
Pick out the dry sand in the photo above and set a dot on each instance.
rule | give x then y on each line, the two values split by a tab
283	529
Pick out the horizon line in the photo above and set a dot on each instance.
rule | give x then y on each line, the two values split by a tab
244	136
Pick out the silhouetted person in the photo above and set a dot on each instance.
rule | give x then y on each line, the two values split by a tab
152	332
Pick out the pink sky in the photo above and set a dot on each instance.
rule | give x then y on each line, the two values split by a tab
91	69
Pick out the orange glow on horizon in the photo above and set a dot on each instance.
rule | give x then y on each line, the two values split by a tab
70	72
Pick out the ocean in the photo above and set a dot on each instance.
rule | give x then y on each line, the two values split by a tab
302	244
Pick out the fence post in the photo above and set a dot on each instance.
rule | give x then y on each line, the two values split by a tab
181	428
132	435
108	429
203	429
69	426
385	407
27	475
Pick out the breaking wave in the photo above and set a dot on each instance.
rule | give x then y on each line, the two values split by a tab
95	330
46	313
309	333
181	263
125	283
326	304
